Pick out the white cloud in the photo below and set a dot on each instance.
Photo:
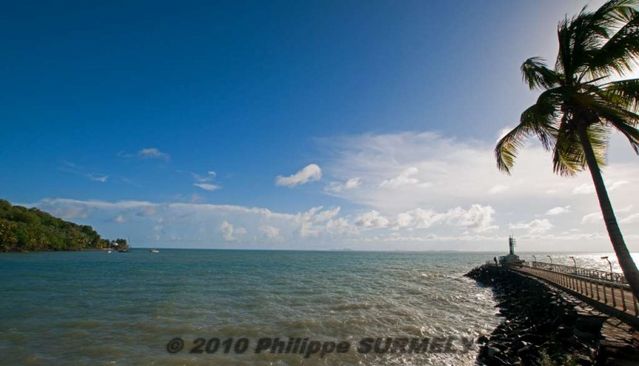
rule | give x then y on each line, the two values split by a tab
615	185
631	219
314	220
592	218
207	186
406	177
205	182
372	219
269	231
153	153
351	183
589	188
229	232
558	210
309	173
586	188
536	226
463	173
477	218
207	225
381	179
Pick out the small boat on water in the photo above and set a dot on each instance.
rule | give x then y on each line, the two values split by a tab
154	251
109	251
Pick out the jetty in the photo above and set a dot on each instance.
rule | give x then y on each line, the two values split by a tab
586	313
608	292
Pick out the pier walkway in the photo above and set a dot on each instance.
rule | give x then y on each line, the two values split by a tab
607	291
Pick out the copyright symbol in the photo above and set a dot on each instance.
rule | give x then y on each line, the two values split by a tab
175	345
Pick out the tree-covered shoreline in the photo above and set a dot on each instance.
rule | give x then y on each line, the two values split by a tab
30	229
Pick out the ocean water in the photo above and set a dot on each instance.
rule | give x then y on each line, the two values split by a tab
94	308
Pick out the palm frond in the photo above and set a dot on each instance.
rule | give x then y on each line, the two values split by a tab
619	54
563	62
537	75
539	120
568	155
624	93
623	120
508	147
599	135
616	11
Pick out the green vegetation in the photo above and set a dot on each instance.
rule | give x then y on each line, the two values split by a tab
29	229
582	99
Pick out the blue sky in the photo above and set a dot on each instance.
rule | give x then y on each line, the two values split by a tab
113	113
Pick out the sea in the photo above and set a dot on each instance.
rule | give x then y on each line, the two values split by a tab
235	307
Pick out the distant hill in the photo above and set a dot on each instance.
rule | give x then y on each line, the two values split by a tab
29	229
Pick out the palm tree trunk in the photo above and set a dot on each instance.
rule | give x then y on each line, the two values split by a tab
621	250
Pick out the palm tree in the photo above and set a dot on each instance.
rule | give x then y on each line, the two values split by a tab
581	101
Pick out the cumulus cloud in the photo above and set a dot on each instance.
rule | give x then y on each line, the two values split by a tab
312	221
406	177
477	218
404	191
372	219
413	179
269	231
230	232
309	173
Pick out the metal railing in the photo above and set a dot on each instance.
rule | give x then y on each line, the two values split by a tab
584	272
609	290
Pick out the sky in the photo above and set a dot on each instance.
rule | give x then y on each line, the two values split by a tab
366	125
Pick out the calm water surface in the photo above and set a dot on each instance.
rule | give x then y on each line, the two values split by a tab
92	308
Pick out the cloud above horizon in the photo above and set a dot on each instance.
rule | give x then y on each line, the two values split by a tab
309	173
408	190
404	173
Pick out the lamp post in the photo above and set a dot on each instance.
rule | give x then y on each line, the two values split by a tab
610	264
574	261
549	257
534	260
612	287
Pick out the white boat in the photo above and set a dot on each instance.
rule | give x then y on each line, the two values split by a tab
109	251
154	251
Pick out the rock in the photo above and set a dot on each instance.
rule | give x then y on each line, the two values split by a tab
492	351
590	324
537	321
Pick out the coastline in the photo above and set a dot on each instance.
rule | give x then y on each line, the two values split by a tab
539	326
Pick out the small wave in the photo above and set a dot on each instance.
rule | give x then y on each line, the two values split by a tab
352	306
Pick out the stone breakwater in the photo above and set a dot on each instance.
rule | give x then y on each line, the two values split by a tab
539	327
